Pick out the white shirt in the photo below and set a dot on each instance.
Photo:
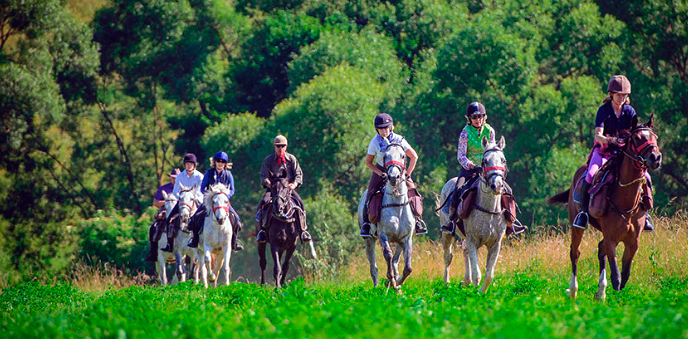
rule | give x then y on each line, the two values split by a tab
376	144
183	178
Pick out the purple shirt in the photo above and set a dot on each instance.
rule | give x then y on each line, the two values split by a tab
607	119
167	188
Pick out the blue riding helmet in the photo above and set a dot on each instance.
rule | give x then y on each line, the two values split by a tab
383	120
221	156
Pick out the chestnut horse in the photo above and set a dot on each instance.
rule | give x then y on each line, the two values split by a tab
625	219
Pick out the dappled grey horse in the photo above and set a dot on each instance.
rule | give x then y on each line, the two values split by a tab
397	223
485	225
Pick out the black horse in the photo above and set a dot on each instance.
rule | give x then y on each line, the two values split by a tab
283	231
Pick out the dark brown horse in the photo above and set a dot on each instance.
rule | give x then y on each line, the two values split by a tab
625	219
283	232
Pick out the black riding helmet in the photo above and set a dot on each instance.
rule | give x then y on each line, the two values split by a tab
475	108
383	120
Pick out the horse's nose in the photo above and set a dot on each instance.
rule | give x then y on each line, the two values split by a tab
656	158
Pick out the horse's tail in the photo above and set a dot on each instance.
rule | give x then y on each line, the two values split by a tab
561	198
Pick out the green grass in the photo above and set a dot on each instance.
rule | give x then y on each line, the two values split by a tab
517	306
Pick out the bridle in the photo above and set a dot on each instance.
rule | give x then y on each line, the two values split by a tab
401	165
286	198
226	207
191	204
491	171
638	160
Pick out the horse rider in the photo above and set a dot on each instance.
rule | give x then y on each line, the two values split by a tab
470	152
157	227
189	177
613	116
272	164
219	173
384	125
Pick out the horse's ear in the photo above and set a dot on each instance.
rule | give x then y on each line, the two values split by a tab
164	195
501	143
484	142
651	122
193	188
634	122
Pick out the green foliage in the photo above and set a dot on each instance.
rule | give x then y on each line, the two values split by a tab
522	305
369	51
120	240
260	72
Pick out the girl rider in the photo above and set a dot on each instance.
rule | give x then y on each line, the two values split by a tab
614	115
384	125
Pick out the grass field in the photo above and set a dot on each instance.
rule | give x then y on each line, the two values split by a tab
526	300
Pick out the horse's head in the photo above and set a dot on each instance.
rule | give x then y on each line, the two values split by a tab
170	201
219	202
494	165
281	196
395	166
187	202
642	145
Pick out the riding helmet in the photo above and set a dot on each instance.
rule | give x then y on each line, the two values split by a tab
221	156
383	120
190	157
475	108
619	84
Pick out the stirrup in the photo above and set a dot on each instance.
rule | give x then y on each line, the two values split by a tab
448	227
305	237
193	243
421	228
649	224
365	233
262	239
578	221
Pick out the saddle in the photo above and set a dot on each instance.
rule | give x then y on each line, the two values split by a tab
375	203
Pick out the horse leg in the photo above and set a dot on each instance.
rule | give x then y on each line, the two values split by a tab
473	255
217	266
277	268
263	262
574	255
602	280
408	251
466	263
370	253
206	265
395	261
492	254
285	264
227	255
631	247
162	269
610	249
387	253
179	274
447	244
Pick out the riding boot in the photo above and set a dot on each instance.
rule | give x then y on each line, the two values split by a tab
170	244
152	252
582	218
235	243
262	236
193	242
365	227
421	227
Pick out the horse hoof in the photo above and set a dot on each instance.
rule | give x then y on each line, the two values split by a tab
571	294
600	297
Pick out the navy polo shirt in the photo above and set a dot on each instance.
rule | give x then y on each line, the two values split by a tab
212	177
607	119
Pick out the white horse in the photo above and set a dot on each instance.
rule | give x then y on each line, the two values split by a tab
397	224
187	206
217	234
486	225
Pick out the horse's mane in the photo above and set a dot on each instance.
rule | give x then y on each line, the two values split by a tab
212	190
